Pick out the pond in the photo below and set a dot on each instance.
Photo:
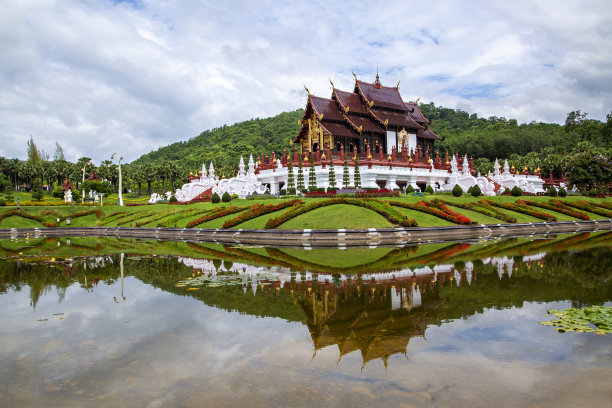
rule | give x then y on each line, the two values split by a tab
95	322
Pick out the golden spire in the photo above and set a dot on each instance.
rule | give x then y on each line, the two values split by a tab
377	81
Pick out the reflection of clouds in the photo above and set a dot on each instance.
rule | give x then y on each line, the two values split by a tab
166	350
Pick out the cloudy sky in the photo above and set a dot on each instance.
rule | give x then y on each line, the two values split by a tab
102	76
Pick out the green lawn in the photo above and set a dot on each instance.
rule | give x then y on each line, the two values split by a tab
336	217
330	217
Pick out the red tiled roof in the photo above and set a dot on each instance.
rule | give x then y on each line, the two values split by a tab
367	124
427	134
350	100
415	113
383	96
327	107
339	129
395	118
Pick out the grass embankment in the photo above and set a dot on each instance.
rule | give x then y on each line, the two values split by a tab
331	216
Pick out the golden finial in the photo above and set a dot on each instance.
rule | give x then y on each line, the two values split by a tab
191	173
307	91
323	157
397	86
332	84
291	142
389	158
409	159
355	157
321	117
417	101
386	122
346	110
306	159
300	122
360	129
369	156
371	104
354	75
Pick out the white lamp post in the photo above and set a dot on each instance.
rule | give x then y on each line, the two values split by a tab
120	186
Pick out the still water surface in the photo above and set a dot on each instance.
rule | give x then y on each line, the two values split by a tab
109	322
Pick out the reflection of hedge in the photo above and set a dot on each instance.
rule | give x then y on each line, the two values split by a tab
436	208
258	210
484	209
557	206
524	209
381	208
583	205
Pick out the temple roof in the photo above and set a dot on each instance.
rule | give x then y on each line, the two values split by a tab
383	96
339	129
367	124
326	107
350	100
415	113
428	134
395	118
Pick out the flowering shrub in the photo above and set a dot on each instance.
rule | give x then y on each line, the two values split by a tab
95	211
435	208
586	206
50	224
558	206
258	210
383	209
216	213
319	194
484	209
377	193
521	207
18	213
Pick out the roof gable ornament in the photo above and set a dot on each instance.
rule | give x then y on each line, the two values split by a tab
307	91
347	109
397	86
386	122
371	104
417	101
332	84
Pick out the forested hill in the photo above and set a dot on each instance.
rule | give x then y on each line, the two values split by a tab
481	138
225	145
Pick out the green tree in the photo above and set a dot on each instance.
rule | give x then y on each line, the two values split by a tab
346	180
312	176
332	174
300	177
290	177
357	174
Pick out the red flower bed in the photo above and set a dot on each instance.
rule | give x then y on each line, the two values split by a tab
97	212
258	210
558	206
383	192
49	224
217	213
437	209
319	194
524	209
484	209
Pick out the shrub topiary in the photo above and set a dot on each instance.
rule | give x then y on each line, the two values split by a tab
507	191
592	193
551	192
215	198
283	192
457	190
37	193
226	197
476	191
429	189
562	192
57	193
235	196
409	189
291	191
173	199
470	190
516	191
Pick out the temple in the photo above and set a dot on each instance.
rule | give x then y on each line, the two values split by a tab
372	115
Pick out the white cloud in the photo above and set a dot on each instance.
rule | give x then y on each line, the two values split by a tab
99	77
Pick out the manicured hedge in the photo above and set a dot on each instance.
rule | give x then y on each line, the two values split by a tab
524	209
436	208
258	210
586	206
557	206
217	213
382	208
484	209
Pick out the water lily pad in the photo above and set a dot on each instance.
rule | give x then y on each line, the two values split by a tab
592	319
